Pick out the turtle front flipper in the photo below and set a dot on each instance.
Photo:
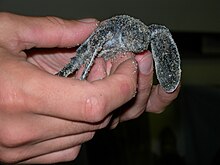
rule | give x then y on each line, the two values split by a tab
73	65
166	57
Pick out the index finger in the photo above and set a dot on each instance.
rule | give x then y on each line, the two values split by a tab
23	32
81	100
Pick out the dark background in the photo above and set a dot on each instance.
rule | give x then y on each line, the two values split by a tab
188	132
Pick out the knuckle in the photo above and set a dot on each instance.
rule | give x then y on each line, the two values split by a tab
91	135
9	157
60	24
155	109
94	109
11	99
13	137
158	111
132	116
105	123
136	115
7	103
128	87
8	24
145	87
55	20
5	16
8	139
71	154
12	145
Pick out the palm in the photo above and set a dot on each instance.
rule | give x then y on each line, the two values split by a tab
53	60
50	60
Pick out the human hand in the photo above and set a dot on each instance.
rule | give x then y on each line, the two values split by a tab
149	97
45	118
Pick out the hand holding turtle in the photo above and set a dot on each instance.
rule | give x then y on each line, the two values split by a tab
45	118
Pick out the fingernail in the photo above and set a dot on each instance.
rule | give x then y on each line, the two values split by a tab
146	65
88	20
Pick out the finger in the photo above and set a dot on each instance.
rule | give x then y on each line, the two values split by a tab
46	147
120	58
145	80
98	71
26	32
34	132
55	157
80	100
50	60
159	99
56	127
58	144
115	123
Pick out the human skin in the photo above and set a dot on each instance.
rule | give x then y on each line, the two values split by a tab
45	118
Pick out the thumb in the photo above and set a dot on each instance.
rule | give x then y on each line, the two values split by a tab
81	100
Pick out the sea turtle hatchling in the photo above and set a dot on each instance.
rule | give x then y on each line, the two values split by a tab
123	33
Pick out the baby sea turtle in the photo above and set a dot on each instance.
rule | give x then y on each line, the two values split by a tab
123	33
